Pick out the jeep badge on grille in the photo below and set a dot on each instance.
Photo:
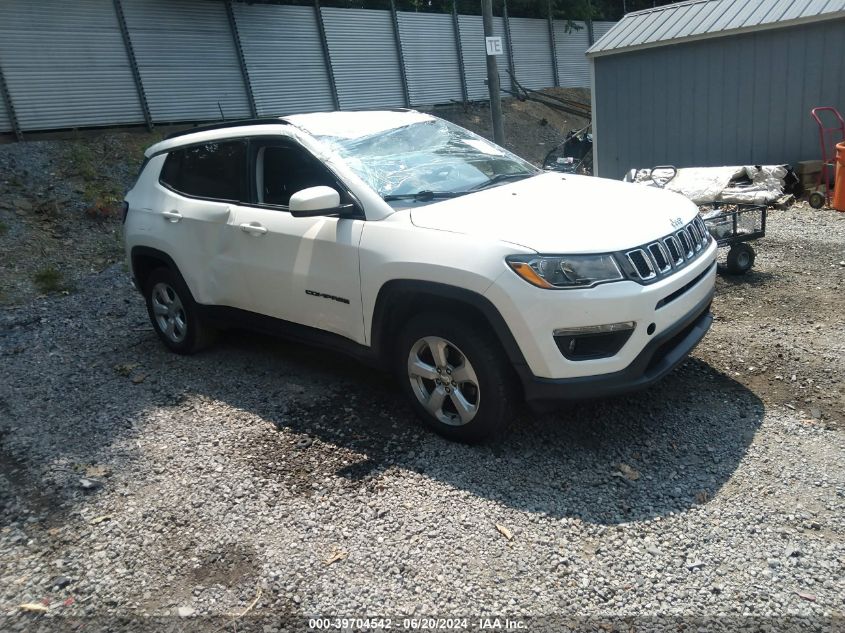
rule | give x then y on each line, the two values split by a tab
676	223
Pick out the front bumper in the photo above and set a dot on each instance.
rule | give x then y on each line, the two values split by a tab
533	315
665	352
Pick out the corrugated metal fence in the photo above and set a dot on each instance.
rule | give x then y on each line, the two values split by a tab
93	63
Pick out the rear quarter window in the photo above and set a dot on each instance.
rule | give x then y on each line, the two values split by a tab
214	171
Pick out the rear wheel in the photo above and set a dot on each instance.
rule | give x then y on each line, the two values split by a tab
174	314
455	376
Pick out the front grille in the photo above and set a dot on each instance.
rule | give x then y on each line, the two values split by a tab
674	249
642	264
695	238
658	259
686	244
702	228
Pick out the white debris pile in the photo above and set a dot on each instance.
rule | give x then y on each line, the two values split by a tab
744	184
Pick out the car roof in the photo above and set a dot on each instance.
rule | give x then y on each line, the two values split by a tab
344	124
355	123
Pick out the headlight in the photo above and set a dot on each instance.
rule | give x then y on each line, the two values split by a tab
565	271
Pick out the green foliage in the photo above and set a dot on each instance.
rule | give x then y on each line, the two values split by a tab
81	160
49	279
86	160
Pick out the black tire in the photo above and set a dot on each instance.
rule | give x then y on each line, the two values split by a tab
817	200
164	285
493	396
740	259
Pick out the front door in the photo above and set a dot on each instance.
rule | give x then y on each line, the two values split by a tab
303	270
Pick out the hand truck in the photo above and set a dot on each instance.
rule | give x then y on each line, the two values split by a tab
828	138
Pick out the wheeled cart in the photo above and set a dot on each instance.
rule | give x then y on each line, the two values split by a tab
733	225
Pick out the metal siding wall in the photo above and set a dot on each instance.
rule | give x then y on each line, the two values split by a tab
65	65
701	130
475	63
736	100
187	59
431	57
600	28
364	58
532	53
715	106
572	64
605	107
832	92
732	112
475	55
284	58
5	121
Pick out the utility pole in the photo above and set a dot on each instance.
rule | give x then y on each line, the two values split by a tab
493	76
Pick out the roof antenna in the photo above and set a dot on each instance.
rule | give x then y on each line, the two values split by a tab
222	116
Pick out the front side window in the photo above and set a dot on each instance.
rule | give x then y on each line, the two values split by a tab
283	170
211	170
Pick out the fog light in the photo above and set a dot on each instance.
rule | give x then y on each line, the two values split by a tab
593	341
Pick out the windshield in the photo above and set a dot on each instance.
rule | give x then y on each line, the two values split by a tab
427	155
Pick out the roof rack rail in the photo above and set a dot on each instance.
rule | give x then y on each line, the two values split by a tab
225	124
376	109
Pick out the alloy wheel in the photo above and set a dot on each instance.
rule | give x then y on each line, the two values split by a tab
443	380
169	312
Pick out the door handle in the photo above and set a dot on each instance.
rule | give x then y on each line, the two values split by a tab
253	228
172	216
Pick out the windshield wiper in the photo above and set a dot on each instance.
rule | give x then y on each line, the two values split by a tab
498	178
424	196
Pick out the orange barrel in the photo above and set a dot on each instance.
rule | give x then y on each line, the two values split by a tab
838	201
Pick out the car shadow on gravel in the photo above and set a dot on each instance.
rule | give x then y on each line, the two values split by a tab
751	279
626	459
312	420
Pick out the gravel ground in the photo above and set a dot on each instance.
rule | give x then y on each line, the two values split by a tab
267	477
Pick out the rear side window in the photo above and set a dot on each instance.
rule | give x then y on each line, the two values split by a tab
212	170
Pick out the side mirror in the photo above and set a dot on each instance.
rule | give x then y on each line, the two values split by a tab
314	201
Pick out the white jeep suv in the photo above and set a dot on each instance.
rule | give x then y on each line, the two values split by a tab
421	248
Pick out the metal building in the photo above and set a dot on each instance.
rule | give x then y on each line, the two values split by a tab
716	82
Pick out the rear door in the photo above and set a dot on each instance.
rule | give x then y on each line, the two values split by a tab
303	270
201	186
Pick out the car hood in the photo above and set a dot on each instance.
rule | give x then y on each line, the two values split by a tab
562	213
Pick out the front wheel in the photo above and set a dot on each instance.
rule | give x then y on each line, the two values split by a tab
457	379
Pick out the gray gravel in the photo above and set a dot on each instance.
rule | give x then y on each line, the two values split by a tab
232	479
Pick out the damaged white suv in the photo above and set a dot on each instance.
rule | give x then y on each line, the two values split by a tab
424	249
